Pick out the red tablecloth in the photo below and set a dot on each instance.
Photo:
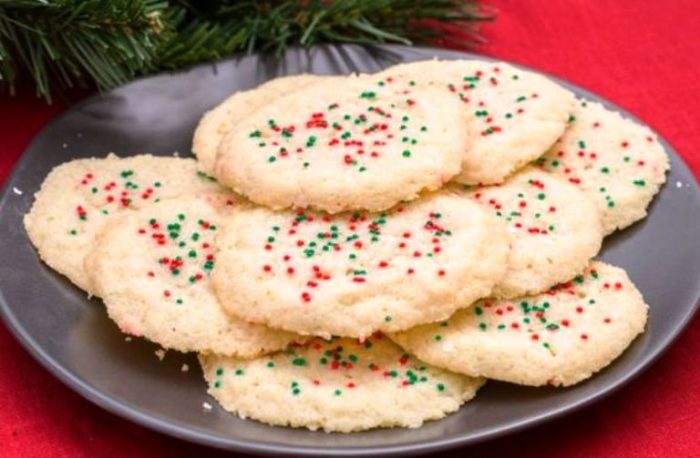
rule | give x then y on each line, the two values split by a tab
642	54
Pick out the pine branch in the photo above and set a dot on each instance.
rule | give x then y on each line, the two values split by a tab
63	43
275	25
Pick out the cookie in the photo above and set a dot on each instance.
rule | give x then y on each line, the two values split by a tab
352	274
618	163
555	230
78	197
516	114
217	122
152	266
344	145
341	385
558	338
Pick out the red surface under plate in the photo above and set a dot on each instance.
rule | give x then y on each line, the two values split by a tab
643	55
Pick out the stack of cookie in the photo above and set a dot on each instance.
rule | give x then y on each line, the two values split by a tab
364	251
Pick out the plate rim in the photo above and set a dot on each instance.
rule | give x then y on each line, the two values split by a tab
175	429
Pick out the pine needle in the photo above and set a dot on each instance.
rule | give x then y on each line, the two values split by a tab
61	44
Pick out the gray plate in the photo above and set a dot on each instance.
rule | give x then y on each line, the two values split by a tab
73	338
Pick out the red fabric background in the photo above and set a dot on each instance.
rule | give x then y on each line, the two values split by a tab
641	54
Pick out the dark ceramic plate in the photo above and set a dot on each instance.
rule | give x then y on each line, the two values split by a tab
73	338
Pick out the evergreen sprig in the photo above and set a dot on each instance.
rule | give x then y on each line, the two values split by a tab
63	43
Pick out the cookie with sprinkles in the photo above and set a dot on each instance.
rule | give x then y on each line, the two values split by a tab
352	274
557	338
339	385
617	162
218	121
152	269
78	197
554	227
516	115
345	144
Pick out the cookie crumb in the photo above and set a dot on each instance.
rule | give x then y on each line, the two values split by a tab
185	368
17	191
176	153
65	145
127	339
679	184
206	406
160	354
